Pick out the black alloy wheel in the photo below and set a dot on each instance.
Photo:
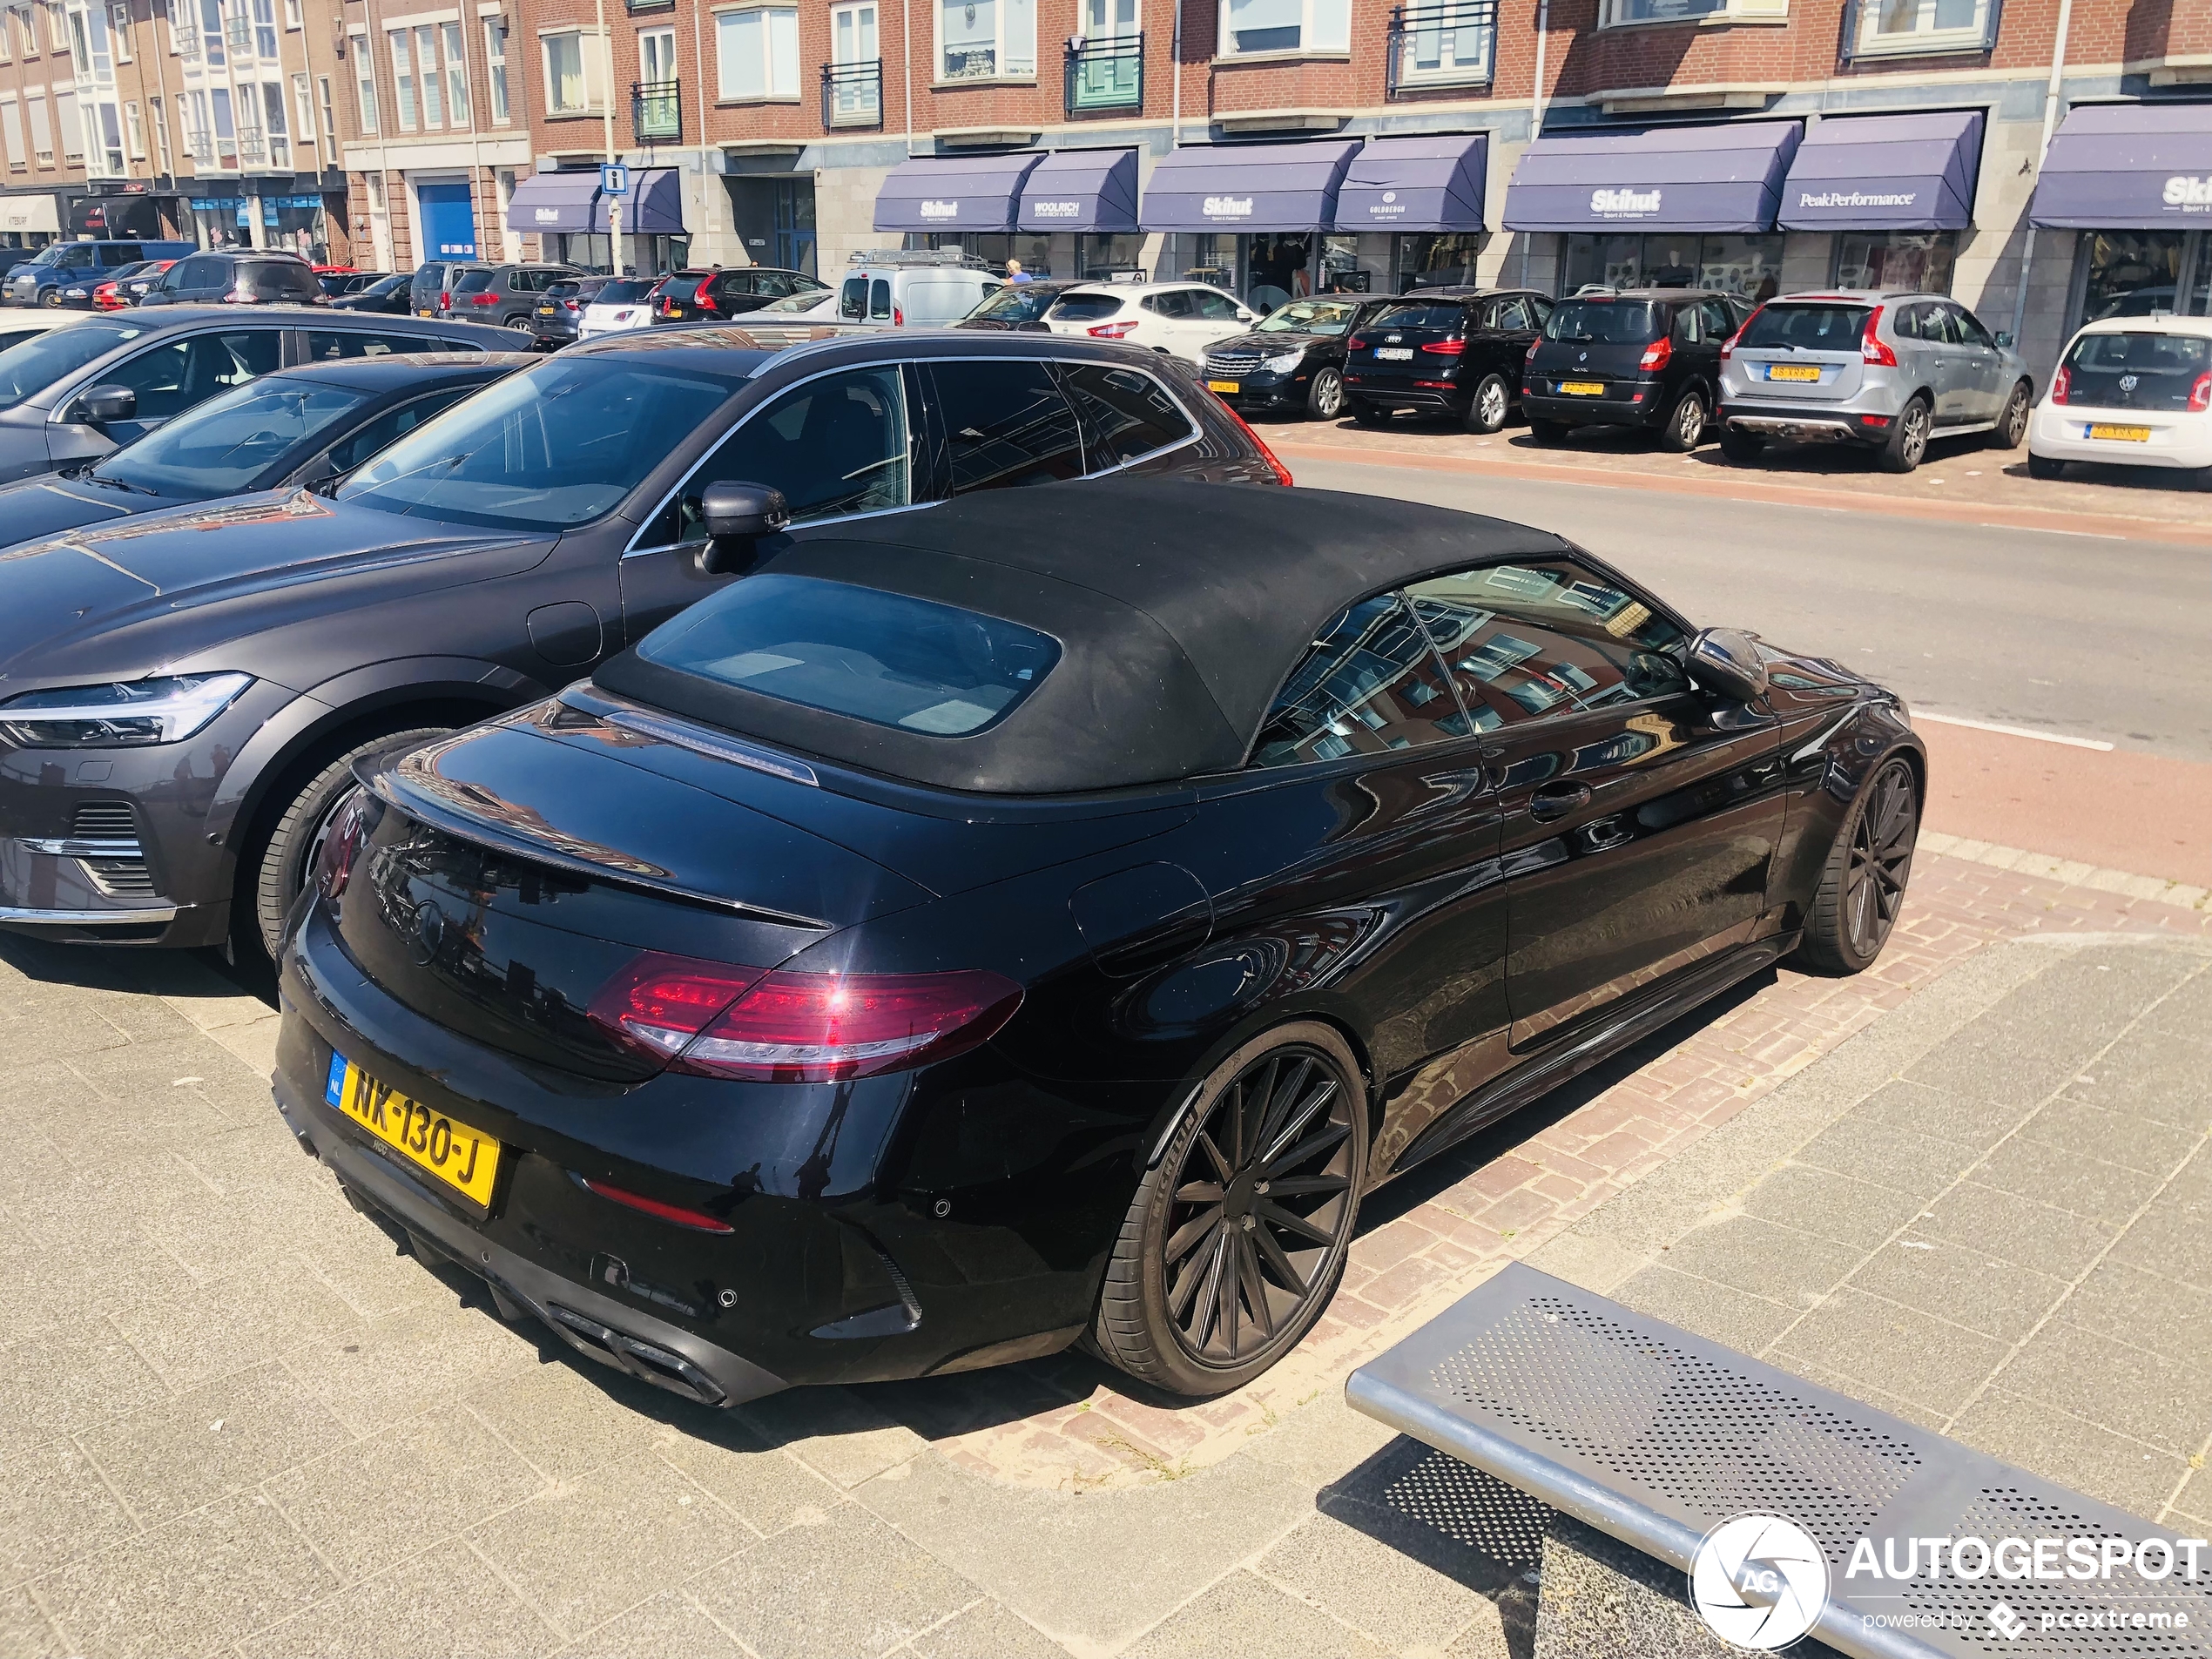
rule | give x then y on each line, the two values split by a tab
1908	439
1488	409
1324	396
1238	1237
1863	887
2012	425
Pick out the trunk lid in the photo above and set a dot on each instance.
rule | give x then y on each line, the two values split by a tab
1595	340
1801	353
1407	339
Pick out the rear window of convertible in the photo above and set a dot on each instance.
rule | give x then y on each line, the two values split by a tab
891	660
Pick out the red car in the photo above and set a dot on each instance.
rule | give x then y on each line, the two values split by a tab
139	277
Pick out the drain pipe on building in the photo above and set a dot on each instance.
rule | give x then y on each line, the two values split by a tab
1536	111
2042	151
907	67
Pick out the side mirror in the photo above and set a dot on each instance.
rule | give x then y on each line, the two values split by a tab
105	403
737	515
2004	340
1725	660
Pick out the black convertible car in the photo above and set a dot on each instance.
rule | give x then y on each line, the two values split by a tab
1044	917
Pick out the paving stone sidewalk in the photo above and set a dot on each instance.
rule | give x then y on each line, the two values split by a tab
231	1421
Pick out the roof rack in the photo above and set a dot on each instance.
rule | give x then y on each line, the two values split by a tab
918	256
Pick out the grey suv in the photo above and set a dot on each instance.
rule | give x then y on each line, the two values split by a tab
1885	371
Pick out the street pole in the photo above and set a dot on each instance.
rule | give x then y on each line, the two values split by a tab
1536	116
607	133
2050	121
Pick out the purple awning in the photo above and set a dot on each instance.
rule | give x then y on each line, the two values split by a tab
557	201
1081	189
1885	172
1428	184
2128	167
954	192
1248	187
1724	177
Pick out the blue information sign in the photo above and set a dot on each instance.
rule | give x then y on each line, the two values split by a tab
614	178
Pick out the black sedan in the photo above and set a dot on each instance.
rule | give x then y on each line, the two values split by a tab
386	295
182	697
295	427
1047	917
1292	363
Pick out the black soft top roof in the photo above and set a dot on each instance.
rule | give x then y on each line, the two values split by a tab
1179	608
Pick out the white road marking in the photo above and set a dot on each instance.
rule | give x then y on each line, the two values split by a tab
2015	731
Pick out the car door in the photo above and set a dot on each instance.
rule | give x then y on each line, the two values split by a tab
1931	362
839	445
1638	816
175	373
1216	317
1981	369
1501	345
1168	320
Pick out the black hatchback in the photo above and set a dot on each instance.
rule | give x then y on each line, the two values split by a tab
1649	358
1451	351
1019	308
716	296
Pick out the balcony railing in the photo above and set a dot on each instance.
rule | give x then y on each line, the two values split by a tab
1105	74
251	145
656	110
201	147
853	94
188	44
239	30
1440	42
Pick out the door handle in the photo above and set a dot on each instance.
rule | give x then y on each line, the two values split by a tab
1557	801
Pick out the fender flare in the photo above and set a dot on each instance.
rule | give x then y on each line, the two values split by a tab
340	701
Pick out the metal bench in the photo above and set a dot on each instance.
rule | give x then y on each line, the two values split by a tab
1656	1436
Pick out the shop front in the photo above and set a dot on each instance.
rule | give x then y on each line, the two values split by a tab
571	218
1668	208
1415	205
129	216
969	202
1257	220
2136	180
28	221
1894	191
1084	204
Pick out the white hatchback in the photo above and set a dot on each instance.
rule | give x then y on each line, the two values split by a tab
2130	391
622	305
1181	319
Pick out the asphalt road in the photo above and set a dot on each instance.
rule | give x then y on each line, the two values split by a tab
2051	632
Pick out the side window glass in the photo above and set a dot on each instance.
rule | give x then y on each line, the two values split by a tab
771	285
1126	413
333	345
1005	424
1215	307
178	373
853	300
1371	684
1968	329
123	253
1513	316
1542	308
834	447
1175	303
879	301
1530	640
1686	326
389	426
1720	321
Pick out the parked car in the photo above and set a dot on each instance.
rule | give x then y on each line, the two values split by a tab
1648	358
290	429
83	294
494	554
621	305
1194	823
2133	391
430	290
508	295
262	277
560	309
15	330
716	296
388	296
927	291
820	303
1451	352
339	281
75	394
39	279
1018	306
1887	371
129	286
1181	319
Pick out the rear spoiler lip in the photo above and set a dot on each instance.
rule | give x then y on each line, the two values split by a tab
380	775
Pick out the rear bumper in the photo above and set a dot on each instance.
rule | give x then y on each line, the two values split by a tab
1637	404
1804	425
1394	392
2056	436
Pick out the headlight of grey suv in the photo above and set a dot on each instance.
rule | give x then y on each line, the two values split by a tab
127	715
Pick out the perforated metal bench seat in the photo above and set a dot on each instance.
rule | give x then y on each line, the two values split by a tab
1656	1436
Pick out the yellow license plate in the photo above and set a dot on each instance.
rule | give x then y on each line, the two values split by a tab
1582	389
1224	386
464	1158
1792	372
545	311
426	313
2124	434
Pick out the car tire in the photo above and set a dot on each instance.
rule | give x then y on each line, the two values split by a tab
2012	425
1547	432
1324	396
1368	415
283	864
523	325
1492	403
1685	424
1162	1314
2044	467
1907	444
1741	446
1861	886
50	298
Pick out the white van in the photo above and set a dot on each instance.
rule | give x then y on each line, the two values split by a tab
925	290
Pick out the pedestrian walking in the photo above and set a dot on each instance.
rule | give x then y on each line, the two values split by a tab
1016	273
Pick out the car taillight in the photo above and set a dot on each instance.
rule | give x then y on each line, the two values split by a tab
1446	347
1357	343
571	305
1282	473
445	302
2201	394
661	1002
898	317
483	298
698	1220
2062	385
826	1027
342	841
1873	350
1728	345
1656	356
705	302
1113	330
1529	356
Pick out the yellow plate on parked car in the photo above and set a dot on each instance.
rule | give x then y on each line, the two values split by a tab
545	311
1224	386
464	1158
1792	372
1581	388
2125	433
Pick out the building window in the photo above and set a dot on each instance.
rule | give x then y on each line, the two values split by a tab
160	133
72	124
426	65
756	53
1909	28
403	79
211	30
265	32
1750	266
1248	26
119	24
57	28
280	137
1613	13
365	85
576	72
1917	260
329	118
7	39
1446	43
495	67
12	124
982	39
456	72
292	17
304	111
225	128
42	133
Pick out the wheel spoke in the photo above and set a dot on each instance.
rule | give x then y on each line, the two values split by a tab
1210	1298
1307	1149
1179	1295
1222	1167
1187	1236
1255	1286
1279	1106
1275	1215
1285	1270
1291	1130
1198	1192
1299	1186
1226	1278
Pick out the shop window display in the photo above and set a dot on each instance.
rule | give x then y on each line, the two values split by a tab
1750	266
2135	273
1919	261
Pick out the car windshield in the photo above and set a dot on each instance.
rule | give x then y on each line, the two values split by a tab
1017	302
1617	322
1085	308
626	292
472	282
552	446
224	445
883	657
684	285
1807	328
29	368
1311	317
2146	370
